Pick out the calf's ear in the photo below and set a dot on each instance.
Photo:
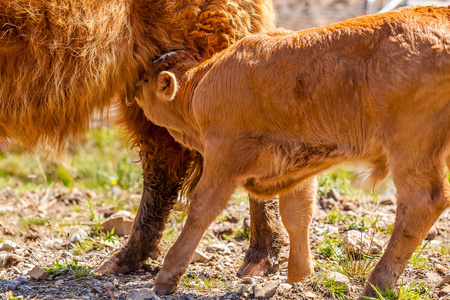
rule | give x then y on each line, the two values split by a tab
166	85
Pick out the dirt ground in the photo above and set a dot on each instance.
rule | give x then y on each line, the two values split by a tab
53	215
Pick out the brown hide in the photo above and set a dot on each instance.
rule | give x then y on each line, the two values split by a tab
62	60
272	111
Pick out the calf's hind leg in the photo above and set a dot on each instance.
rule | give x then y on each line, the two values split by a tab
296	209
423	194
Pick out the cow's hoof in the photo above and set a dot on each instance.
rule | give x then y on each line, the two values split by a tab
111	266
262	268
164	290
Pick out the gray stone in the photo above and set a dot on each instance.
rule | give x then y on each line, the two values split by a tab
142	294
247	280
265	290
338	278
219	248
200	257
78	236
357	242
433	277
444	281
121	222
284	287
108	285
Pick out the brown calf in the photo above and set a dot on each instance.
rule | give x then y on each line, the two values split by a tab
271	112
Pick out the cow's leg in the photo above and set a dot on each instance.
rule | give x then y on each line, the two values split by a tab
164	164
423	194
210	198
266	238
296	209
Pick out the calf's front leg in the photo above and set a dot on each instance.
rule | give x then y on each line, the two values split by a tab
210	198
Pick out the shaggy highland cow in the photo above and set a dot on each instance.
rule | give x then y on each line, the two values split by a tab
63	60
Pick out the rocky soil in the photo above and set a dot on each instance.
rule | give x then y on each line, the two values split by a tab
50	238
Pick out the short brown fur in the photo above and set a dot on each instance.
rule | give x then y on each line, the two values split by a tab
270	112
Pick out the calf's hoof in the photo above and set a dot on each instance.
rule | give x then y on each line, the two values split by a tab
113	266
164	289
262	268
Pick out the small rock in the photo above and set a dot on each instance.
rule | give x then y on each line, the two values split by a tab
389	197
338	278
231	246
333	193
219	248
243	290
38	273
66	255
9	246
232	219
9	260
121	221
433	277
310	295
78	236
358	242
59	282
444	281
223	229
444	291
108	285
200	257
328	203
284	287
142	294
349	206
247	280
265	289
440	268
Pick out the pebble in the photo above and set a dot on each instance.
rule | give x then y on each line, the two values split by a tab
108	285
444	291
247	280
200	257
9	260
310	295
219	248
444	281
356	242
66	255
440	268
78	236
433	277
59	282
338	278
284	287
349	206
9	246
223	229
121	222
38	273
142	294
265	289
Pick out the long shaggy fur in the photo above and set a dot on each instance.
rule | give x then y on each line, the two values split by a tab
63	60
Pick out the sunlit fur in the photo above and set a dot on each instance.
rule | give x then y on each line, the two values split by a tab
63	60
272	111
